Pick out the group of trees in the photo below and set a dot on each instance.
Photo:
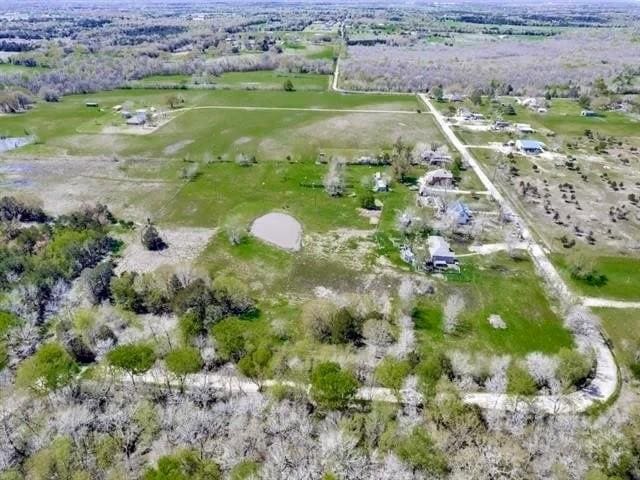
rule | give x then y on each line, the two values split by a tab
528	67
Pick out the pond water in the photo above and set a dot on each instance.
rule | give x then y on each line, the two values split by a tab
11	143
279	229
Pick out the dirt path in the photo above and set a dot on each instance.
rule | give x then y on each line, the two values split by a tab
607	303
455	191
293	109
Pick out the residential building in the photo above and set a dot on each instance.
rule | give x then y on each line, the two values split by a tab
441	257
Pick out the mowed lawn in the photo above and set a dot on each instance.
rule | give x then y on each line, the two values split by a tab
623	276
495	285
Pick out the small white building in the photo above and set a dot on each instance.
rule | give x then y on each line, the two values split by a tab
380	183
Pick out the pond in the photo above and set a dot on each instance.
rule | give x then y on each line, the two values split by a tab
278	229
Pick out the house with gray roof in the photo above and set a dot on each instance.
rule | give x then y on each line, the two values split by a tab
441	257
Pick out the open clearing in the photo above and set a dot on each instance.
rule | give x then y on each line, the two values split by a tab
215	121
184	245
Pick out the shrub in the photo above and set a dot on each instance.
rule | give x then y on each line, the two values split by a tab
49	369
591	277
288	85
233	296
392	372
256	363
133	358
419	450
331	387
13	209
151	239
183	465
124	293
229	335
573	368
97	282
368	201
520	381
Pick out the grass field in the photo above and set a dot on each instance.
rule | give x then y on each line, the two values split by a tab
623	328
10	68
563	118
623	275
72	128
258	80
495	285
225	189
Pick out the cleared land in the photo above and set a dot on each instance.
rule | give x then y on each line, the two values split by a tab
74	129
259	80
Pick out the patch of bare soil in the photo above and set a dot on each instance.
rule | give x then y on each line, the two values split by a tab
372	215
184	245
62	184
176	147
349	245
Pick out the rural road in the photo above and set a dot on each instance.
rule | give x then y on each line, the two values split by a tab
605	383
293	109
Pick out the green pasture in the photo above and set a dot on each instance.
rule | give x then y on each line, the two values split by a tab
498	285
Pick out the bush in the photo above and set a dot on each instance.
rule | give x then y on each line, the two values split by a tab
133	358
331	387
97	282
229	335
190	326
124	293
419	450
573	368
430	369
256	363
368	201
591	277
49	369
233	296
520	381
13	209
327	323
391	373
183	465
151	239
